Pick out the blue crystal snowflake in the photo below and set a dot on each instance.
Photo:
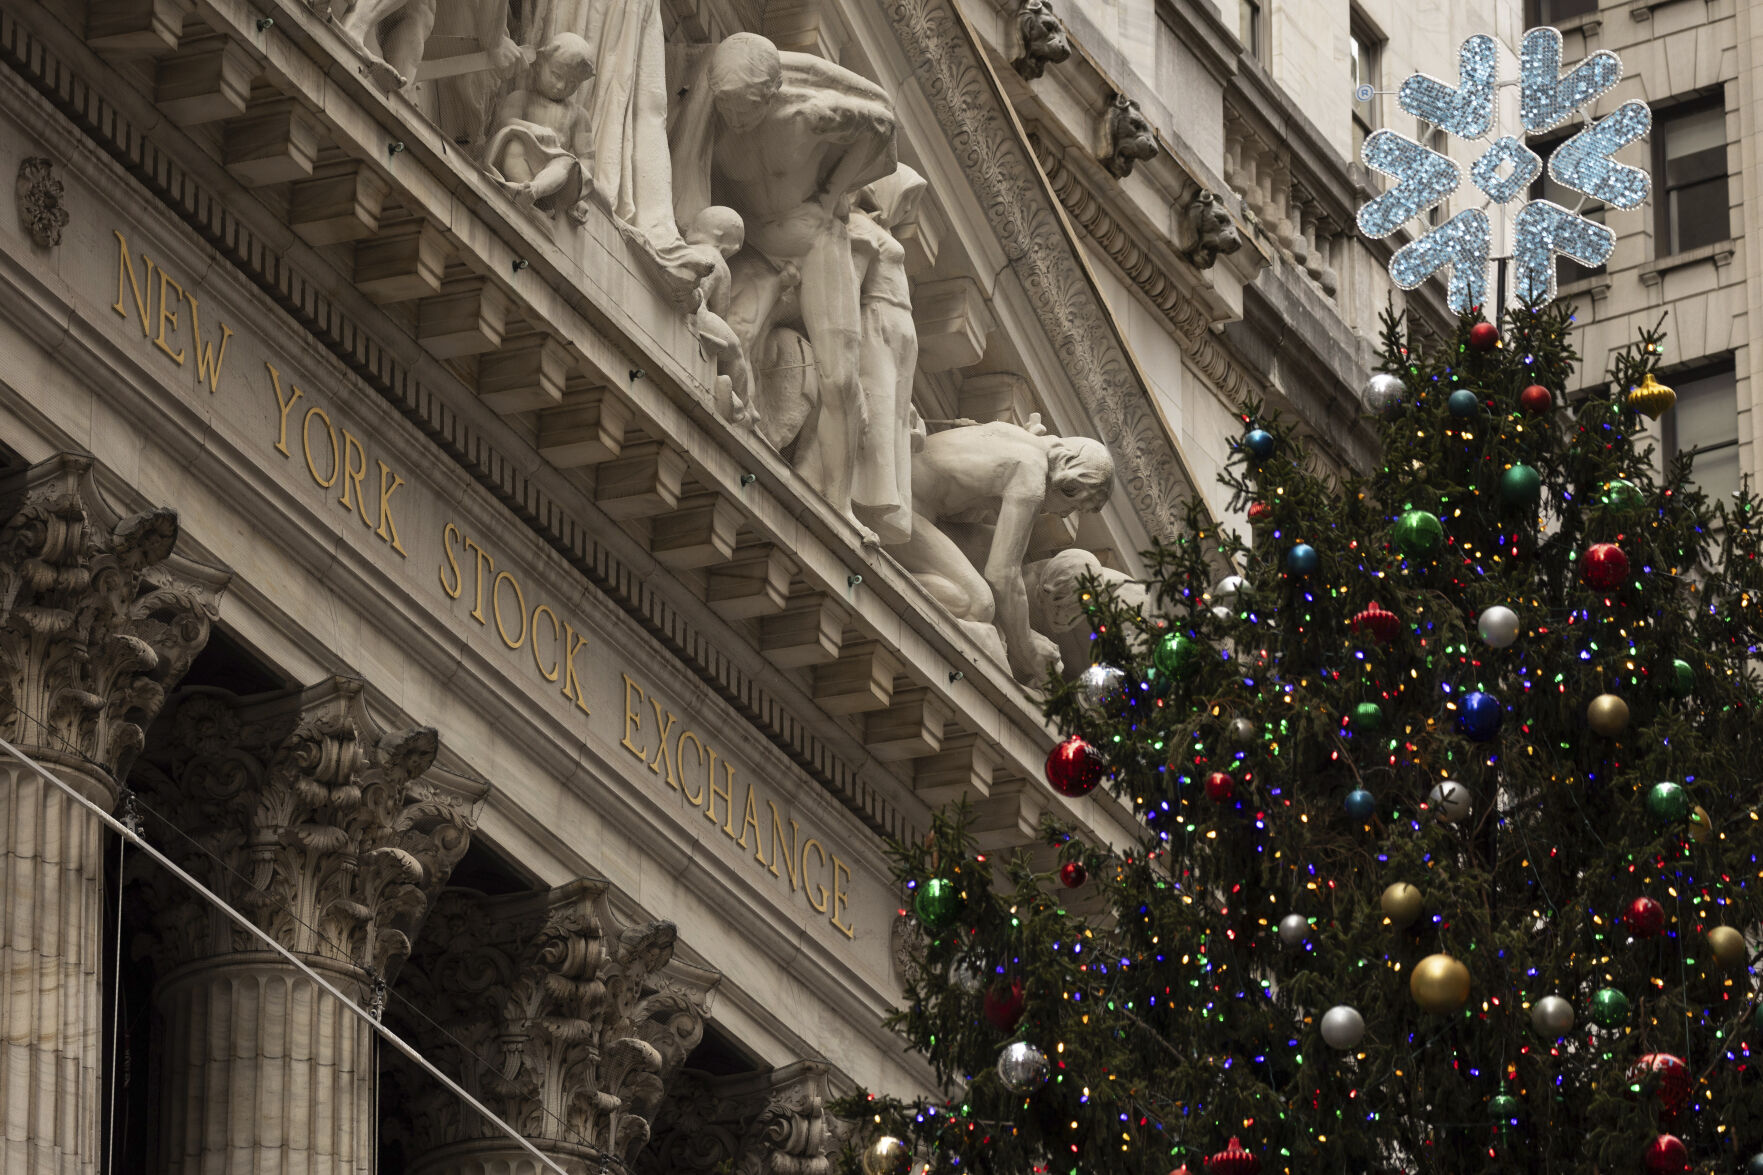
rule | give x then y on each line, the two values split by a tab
1506	169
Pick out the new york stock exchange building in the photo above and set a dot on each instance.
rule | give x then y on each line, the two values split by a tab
516	501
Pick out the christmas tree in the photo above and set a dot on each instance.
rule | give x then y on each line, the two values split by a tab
1448	788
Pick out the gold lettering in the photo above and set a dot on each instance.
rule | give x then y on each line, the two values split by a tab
496	608
777	835
477	611
574	642
556	632
664	752
819	903
306	443
840	897
285	404
388	529
352	474
125	267
168	313
632	719
447	539
727	792
750	819
208	360
679	758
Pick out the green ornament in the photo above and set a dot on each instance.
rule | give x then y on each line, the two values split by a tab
1682	681
1667	802
1418	533
1623	495
1176	655
1609	1008
938	903
1521	486
1757	1018
1502	1107
1367	716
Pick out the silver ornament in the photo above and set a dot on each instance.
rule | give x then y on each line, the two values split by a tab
1227	589
1222	614
887	1155
1552	1017
1498	626
1242	731
1383	392
966	976
1450	801
1022	1067
1294	929
1343	1027
1098	686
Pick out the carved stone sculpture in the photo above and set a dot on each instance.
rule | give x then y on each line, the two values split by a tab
1056	609
39	201
784	139
990	481
581	1028
98	618
542	134
1130	137
772	1123
1214	231
390	35
468	57
1043	39
715	235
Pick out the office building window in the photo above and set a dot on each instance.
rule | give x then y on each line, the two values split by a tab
1364	51
1539	12
1544	188
1689	177
1705	423
1439	141
1249	26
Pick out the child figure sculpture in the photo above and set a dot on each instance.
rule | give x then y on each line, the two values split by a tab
716	234
542	134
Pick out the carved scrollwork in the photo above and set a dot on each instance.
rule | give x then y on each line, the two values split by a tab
39	201
770	1123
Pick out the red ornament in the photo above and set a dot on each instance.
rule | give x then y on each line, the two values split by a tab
1379	622
1605	566
1220	787
1073	874
1233	1160
1074	768
1536	399
1002	1006
1673	1079
1259	512
1645	917
1484	336
1666	1155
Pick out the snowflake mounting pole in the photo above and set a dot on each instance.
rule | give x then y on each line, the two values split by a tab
1506	169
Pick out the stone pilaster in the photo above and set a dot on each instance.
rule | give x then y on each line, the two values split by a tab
558	1020
770	1123
95	624
333	835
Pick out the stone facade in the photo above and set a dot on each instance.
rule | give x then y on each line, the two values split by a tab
627	459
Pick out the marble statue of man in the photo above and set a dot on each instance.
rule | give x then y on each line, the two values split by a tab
1055	609
999	475
786	139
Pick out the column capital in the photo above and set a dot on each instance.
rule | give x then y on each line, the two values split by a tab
331	829
769	1123
98	618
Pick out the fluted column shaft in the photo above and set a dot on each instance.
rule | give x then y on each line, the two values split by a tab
51	955
262	1072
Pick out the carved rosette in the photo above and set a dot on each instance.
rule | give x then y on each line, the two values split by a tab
331	833
771	1123
39	195
568	1032
95	622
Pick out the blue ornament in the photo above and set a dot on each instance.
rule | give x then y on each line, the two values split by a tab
1462	242
1360	804
1302	559
1463	402
1479	716
1259	442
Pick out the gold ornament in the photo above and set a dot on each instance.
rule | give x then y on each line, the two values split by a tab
1401	904
887	1155
1439	984
1727	946
1607	714
1651	399
1701	825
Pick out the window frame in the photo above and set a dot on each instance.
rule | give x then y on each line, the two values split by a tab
1364	35
1251	9
1663	117
1725	364
1534	13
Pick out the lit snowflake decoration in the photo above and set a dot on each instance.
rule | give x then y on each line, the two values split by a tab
1507	168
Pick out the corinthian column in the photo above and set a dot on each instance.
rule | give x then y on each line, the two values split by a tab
560	1023
95	625
331	834
772	1122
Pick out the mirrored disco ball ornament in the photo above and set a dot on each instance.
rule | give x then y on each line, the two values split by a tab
1383	393
887	1155
1022	1067
1098	686
1343	1027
